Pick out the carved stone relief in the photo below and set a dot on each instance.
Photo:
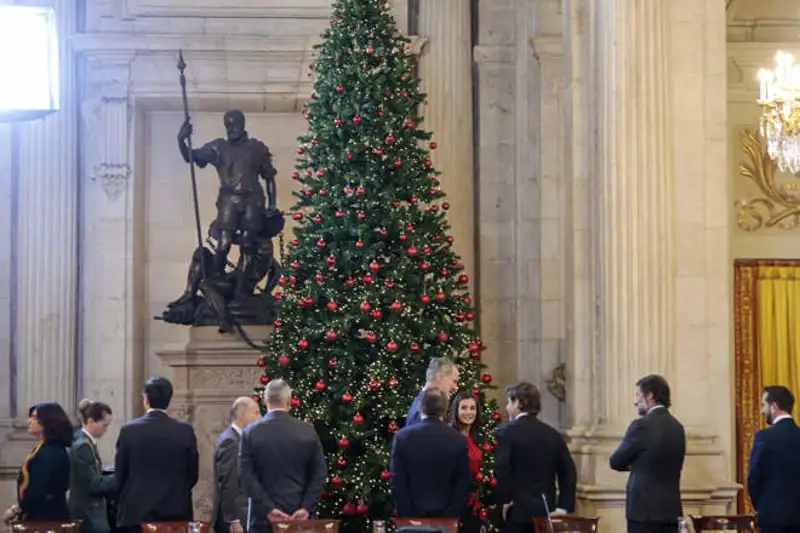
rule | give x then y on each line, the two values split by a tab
106	143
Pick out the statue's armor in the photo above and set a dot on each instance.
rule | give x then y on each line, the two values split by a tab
241	200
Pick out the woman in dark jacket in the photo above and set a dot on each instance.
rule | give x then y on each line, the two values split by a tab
88	487
43	480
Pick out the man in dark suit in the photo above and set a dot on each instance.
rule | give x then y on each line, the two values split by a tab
442	374
229	514
774	477
281	463
156	463
430	464
653	450
531	457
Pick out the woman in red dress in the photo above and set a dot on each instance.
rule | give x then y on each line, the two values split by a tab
465	417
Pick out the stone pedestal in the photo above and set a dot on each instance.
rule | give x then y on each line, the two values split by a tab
208	375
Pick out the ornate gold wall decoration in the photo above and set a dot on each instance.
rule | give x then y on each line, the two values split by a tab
780	205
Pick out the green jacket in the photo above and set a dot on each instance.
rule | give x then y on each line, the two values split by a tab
88	486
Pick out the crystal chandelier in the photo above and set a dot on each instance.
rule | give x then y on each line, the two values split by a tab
780	112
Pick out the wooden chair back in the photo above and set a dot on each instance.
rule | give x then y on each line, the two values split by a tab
307	526
566	524
175	527
744	523
449	525
67	526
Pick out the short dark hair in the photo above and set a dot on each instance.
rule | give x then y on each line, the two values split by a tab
158	392
54	421
528	396
92	410
780	396
475	429
433	403
658	387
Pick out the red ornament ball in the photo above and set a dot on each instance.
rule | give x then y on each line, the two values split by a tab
358	419
264	379
340	89
344	443
445	206
377	314
486	378
496	416
374	267
432	145
483	514
347	397
297	216
390	139
330	336
303	344
349	510
359	244
443	336
320	386
391	347
341	462
487	448
283	360
425	299
396	307
337	482
295	403
441	297
463	279
365	307
261	362
362	509
414	347
356	119
412	252
332	363
372	338
386	475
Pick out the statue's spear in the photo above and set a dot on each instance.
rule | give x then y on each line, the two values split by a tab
181	68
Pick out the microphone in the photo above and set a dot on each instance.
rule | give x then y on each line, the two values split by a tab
550	527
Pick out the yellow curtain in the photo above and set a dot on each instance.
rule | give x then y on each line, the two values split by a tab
778	337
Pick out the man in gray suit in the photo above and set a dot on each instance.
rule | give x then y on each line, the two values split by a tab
281	463
230	500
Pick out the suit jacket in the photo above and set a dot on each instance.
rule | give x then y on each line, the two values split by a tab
531	456
413	412
156	468
653	450
281	465
430	471
43	483
774	477
88	487
230	499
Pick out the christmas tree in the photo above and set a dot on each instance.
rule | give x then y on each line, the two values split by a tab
373	289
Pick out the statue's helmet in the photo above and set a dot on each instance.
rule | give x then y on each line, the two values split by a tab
234	118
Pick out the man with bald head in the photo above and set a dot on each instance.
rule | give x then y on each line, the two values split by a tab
229	514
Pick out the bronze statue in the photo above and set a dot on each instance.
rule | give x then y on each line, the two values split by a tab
217	291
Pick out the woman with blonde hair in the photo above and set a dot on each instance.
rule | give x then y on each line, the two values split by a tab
88	487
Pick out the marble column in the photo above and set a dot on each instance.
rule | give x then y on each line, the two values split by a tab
446	72
46	243
634	249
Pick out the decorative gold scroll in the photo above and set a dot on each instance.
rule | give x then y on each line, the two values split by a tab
780	205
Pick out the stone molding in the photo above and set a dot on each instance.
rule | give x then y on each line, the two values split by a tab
313	9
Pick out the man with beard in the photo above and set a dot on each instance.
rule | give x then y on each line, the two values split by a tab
653	450
774	477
